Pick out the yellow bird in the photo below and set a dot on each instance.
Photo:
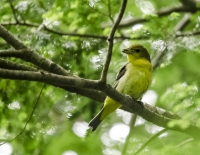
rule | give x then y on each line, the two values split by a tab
133	79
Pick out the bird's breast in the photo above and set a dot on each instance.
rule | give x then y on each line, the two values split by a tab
135	81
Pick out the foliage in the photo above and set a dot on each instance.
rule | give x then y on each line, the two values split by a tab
73	35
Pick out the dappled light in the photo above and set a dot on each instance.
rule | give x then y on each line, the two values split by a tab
119	132
134	64
6	149
80	128
69	153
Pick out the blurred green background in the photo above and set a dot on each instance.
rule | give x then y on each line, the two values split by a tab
59	123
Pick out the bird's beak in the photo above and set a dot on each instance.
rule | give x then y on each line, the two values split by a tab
127	51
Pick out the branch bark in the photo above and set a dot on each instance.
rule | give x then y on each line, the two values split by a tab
15	66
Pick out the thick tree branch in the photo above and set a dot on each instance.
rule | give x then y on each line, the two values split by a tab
12	53
49	78
24	53
90	93
47	65
30	56
148	112
15	66
110	40
10	39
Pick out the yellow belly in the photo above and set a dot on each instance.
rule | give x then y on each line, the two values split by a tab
135	82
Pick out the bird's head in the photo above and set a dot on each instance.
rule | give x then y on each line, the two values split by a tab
136	52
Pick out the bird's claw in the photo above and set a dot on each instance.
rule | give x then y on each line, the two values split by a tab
129	97
140	103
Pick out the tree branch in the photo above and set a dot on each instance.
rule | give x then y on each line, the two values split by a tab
183	22
189	3
183	34
149	140
10	39
13	10
90	93
110	40
150	113
24	53
47	65
15	66
160	13
102	37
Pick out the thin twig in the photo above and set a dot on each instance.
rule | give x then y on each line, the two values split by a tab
184	142
159	57
160	13
102	13
14	11
102	37
110	40
132	125
183	22
109	12
149	140
92	35
29	119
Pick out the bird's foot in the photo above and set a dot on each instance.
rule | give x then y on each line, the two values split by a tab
131	98
140	103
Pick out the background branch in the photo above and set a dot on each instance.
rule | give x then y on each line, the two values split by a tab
160	13
150	140
71	34
13	10
183	22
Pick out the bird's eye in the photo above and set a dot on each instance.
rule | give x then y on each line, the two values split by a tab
137	50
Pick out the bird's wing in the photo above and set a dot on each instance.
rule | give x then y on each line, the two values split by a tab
119	75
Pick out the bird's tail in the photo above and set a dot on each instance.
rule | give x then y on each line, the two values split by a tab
94	123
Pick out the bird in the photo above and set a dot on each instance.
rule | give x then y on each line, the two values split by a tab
132	80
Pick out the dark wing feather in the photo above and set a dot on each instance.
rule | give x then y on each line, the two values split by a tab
119	75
